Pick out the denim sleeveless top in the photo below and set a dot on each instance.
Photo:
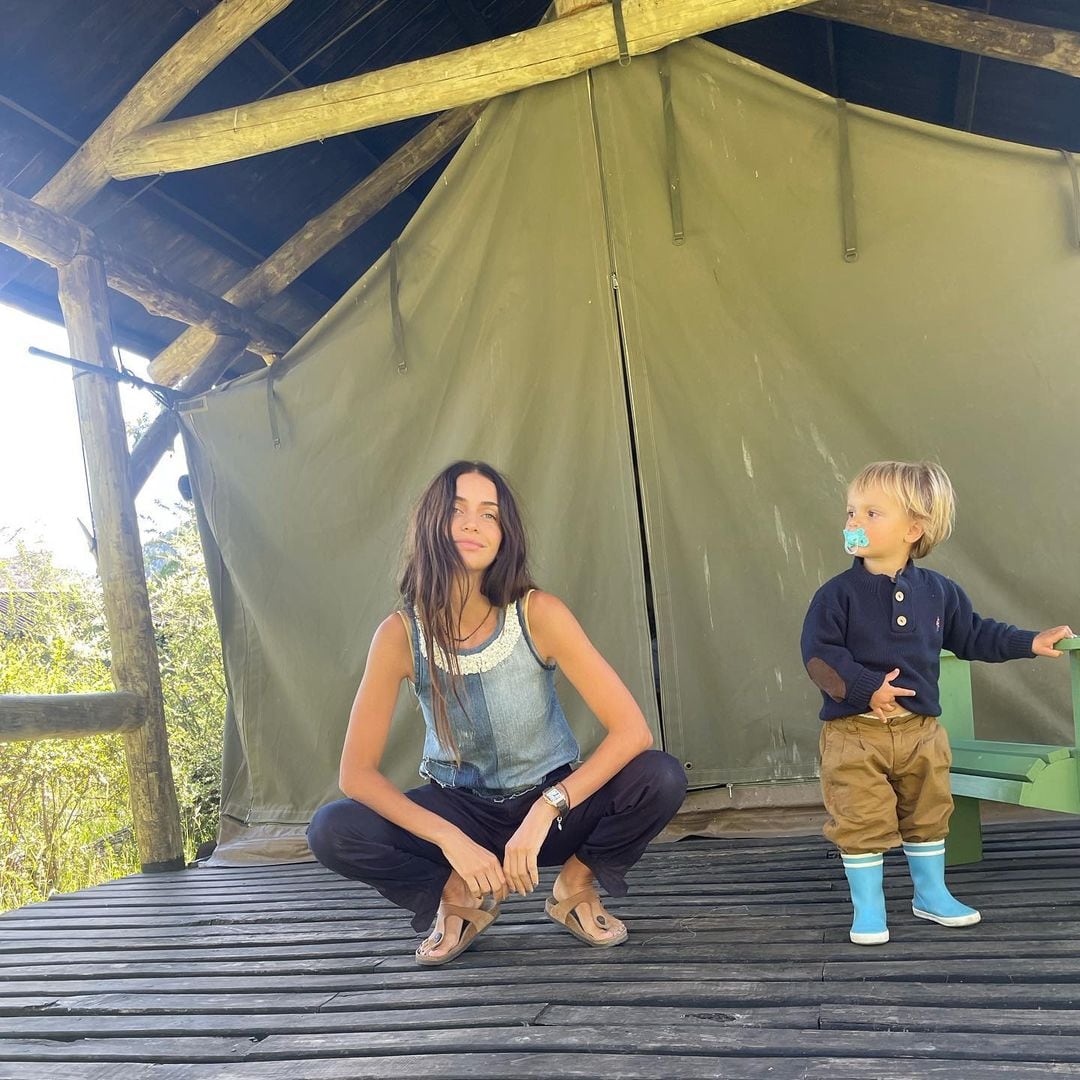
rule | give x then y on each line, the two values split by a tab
512	732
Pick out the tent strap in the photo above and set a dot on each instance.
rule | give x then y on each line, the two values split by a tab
678	234
620	33
272	409
1071	162
395	311
847	185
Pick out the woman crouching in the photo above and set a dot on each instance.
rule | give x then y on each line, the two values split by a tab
480	645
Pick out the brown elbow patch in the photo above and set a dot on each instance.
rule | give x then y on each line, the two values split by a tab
827	678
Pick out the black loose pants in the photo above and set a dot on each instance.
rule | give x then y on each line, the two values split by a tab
608	832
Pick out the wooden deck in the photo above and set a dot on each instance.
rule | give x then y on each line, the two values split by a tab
738	965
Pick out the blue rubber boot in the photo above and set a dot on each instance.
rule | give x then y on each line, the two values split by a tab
868	898
932	900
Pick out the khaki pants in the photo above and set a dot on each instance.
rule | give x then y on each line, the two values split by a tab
885	783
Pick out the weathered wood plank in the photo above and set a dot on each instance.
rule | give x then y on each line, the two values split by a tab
686	1040
543	945
696	993
960	971
797	1018
670	992
68	716
281	1000
16	1006
196	950
544	1066
192	955
259	1025
374	979
1034	1021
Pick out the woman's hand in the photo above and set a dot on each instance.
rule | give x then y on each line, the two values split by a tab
1044	643
475	865
523	848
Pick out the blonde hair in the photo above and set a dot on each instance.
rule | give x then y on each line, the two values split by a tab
923	489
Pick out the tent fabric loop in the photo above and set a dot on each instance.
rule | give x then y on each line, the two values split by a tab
678	233
847	184
272	409
395	311
1071	162
620	33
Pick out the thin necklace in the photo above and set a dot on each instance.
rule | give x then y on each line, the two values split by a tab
479	624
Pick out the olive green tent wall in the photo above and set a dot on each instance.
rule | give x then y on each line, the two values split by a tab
539	313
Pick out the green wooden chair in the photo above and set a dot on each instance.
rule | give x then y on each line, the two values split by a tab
1025	774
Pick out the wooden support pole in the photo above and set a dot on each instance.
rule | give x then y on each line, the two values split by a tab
956	28
55	239
84	301
68	716
554	50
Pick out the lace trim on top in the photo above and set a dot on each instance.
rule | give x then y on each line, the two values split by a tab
489	656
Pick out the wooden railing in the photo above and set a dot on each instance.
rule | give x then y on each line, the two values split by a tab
68	716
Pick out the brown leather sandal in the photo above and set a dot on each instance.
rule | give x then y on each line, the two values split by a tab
476	921
564	913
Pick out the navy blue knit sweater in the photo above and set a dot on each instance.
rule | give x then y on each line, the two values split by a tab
861	625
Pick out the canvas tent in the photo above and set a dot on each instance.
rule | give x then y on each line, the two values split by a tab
679	416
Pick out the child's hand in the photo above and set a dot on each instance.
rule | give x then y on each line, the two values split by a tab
1044	643
883	700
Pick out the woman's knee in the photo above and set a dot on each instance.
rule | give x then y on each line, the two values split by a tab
332	828
661	776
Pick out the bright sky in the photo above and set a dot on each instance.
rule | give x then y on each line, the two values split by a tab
42	484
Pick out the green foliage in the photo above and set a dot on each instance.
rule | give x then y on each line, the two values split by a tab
193	682
64	814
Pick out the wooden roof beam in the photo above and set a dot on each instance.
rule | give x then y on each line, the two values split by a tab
156	94
965	30
554	50
57	240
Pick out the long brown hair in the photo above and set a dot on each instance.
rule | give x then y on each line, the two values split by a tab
433	565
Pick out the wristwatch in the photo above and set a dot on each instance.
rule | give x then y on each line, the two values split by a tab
555	796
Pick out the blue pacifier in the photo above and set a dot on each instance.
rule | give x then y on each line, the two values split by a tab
855	539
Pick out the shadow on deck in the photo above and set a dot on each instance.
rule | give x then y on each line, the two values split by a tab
738	966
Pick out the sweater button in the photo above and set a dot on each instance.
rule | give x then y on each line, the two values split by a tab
899	597
901	620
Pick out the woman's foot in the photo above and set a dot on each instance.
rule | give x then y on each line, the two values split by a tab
587	920
447	933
